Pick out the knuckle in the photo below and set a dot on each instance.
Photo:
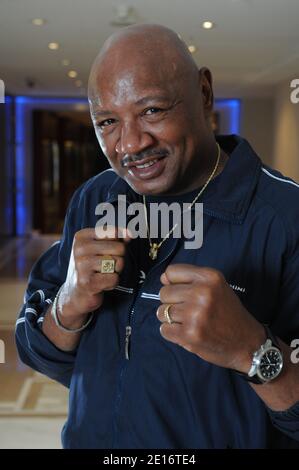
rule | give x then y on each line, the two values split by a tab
78	250
84	281
207	299
215	277
81	233
81	263
196	292
77	235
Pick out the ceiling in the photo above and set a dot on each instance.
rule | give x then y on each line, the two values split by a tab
254	45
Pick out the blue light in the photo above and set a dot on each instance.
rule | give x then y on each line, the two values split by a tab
22	213
38	100
8	165
233	108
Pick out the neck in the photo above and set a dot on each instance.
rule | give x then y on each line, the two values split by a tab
207	166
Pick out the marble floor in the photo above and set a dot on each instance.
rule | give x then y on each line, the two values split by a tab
32	407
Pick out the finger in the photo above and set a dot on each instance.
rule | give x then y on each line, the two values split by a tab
174	312
100	247
88	264
172	333
187	273
85	234
118	265
103	282
172	294
112	233
164	280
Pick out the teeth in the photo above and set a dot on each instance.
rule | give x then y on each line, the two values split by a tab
146	165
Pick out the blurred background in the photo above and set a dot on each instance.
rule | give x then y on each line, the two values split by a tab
48	147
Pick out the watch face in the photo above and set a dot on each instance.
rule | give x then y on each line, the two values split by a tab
270	364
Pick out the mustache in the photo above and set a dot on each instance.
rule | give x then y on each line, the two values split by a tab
141	155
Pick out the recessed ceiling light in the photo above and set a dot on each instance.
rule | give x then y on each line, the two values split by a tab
65	62
78	83
53	46
72	74
192	48
208	25
38	21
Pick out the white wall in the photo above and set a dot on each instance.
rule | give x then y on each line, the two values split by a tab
257	121
286	132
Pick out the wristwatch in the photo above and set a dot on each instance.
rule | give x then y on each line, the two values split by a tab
267	361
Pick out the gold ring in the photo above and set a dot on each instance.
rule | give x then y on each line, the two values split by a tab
107	266
166	314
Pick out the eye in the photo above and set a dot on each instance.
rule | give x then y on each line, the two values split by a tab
106	123
153	110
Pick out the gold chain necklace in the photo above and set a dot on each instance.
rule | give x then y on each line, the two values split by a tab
154	247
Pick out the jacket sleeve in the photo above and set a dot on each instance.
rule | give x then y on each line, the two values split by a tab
47	275
286	326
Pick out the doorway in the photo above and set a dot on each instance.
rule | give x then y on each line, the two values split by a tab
65	154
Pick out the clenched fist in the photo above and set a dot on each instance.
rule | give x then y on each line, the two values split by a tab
208	318
85	285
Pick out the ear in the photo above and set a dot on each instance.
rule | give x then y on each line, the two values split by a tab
206	84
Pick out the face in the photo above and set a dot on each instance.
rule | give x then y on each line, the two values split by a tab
152	128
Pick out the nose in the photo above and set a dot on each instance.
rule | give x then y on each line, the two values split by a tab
133	139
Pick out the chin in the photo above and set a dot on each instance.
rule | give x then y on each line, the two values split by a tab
153	187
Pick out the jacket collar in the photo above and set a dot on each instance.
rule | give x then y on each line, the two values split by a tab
228	196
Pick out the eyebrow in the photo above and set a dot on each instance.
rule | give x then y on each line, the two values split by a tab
101	113
143	101
149	98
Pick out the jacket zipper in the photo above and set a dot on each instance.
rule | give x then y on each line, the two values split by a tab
127	341
131	314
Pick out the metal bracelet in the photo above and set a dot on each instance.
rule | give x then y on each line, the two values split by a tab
58	323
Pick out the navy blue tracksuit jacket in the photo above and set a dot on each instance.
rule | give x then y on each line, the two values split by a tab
164	396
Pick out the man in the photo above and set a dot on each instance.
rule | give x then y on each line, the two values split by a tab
167	358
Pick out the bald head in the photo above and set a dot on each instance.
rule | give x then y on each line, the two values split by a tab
148	100
152	47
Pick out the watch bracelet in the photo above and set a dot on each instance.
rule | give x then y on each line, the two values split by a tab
255	379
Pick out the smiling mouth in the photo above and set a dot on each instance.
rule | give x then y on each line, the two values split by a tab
147	169
144	163
148	164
